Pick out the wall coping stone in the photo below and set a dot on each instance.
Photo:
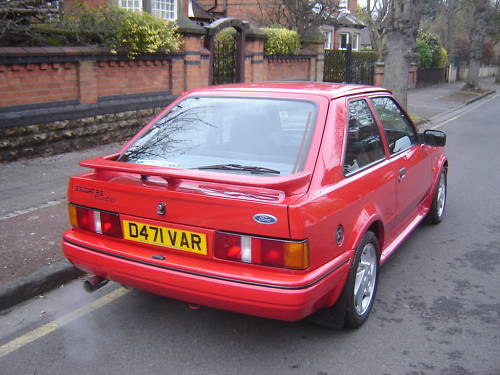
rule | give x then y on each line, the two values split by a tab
187	27
303	54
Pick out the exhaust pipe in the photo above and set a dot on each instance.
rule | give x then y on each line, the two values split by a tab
93	283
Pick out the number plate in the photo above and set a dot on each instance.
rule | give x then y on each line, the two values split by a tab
166	237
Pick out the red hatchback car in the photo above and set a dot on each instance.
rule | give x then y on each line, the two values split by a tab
279	200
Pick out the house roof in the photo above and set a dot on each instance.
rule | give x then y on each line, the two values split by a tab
196	11
348	20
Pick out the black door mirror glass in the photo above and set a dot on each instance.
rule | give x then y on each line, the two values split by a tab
435	138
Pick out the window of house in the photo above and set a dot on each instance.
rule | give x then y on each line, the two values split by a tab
355	42
164	9
343	40
328	39
342	4
398	130
135	5
364	144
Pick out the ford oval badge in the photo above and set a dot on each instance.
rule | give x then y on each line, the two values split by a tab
265	219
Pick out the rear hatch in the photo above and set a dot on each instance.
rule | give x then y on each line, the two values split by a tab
211	176
210	200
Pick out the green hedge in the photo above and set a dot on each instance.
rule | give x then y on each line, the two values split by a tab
281	41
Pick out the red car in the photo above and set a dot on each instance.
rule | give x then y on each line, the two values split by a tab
279	200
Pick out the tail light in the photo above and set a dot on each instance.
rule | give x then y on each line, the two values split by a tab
97	221
264	251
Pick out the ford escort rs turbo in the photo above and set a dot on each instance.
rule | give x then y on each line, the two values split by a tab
279	200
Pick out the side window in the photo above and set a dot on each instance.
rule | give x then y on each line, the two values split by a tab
398	130
364	145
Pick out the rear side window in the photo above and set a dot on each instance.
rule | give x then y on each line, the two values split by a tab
398	130
364	145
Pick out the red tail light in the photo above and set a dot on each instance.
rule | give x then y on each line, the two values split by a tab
265	251
101	222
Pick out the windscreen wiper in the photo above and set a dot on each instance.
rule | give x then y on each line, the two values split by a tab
239	167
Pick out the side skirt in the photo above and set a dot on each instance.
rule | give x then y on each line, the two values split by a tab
389	249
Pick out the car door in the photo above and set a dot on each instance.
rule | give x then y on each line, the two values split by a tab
365	163
409	160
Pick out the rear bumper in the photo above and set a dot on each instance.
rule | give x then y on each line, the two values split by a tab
281	302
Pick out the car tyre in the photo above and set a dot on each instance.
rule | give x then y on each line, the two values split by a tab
436	212
354	305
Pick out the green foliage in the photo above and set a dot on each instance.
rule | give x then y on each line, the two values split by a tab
281	41
142	33
118	29
424	54
226	36
430	50
89	26
443	58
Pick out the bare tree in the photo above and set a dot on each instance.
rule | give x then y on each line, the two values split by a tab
374	14
399	30
17	16
305	16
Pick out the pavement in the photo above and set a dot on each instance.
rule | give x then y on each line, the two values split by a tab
33	211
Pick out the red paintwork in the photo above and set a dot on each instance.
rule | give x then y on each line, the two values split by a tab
308	205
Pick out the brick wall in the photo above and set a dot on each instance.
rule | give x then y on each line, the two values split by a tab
35	75
290	68
37	83
131	77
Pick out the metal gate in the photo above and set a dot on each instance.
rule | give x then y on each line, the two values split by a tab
227	53
349	67
224	62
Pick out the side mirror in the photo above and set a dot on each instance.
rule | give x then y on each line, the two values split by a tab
434	138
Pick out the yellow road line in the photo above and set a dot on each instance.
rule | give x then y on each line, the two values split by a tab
58	323
447	121
466	111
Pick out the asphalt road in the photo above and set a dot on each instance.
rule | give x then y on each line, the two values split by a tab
437	309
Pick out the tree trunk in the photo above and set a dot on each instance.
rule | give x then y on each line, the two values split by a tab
399	42
397	62
497	76
477	36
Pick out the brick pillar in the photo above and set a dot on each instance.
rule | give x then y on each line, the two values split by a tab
87	82
194	63
412	76
194	76
317	62
378	74
254	71
177	76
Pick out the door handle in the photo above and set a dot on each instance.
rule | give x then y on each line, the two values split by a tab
402	174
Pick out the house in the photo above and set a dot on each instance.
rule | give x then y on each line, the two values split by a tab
167	9
343	28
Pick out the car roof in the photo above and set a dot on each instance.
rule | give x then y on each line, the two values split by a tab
331	90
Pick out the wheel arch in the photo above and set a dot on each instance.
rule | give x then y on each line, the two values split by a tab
369	219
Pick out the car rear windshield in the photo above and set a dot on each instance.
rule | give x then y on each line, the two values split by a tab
230	135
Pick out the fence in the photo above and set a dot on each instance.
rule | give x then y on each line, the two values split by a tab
349	67
429	77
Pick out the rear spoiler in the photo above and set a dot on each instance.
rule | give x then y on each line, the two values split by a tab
290	185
